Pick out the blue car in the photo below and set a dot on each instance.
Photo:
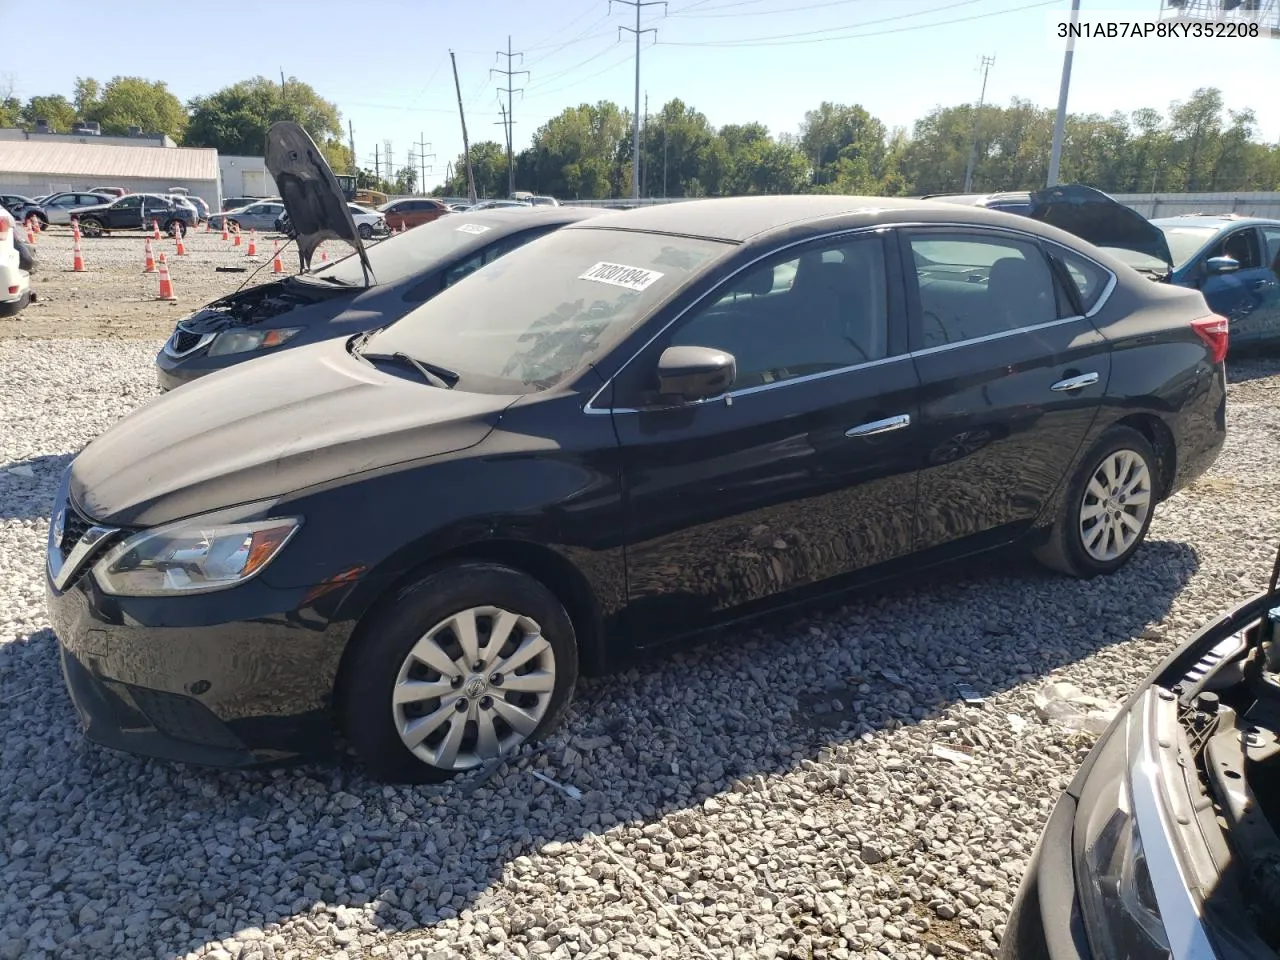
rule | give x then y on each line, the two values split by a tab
1235	262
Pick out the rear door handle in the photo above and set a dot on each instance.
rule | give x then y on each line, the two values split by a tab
1075	383
887	425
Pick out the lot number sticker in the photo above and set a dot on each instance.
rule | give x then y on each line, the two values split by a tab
620	275
473	228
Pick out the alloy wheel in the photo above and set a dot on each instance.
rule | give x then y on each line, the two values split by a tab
1113	511
473	687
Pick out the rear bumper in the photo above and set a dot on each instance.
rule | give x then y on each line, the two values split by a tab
1201	431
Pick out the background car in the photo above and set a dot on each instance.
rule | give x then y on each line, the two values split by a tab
58	207
1235	262
136	211
369	223
235	203
23	208
622	433
202	208
15	281
499	204
261	215
109	191
336	300
402	214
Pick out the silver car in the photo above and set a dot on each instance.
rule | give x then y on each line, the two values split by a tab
256	216
59	207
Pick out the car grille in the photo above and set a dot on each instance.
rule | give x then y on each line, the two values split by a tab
74	527
183	342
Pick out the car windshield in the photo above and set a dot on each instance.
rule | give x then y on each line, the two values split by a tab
1184	243
424	248
540	313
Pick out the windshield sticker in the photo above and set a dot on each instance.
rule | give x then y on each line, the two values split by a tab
620	275
474	228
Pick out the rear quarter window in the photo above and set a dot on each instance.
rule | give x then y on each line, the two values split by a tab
1089	279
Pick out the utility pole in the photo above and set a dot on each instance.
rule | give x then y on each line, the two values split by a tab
423	146
466	148
1060	124
635	133
508	119
664	158
351	132
977	118
506	129
645	144
391	170
377	167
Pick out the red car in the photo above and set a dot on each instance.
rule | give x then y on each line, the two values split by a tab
401	214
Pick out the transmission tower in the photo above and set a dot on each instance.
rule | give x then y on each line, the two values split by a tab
507	119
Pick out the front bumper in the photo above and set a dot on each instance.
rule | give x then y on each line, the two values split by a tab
239	677
1046	923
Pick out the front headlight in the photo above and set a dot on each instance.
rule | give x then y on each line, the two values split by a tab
242	341
1117	898
191	557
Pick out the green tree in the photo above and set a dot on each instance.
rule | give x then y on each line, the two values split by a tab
86	95
55	109
489	163
578	154
10	111
406	180
135	102
835	132
235	119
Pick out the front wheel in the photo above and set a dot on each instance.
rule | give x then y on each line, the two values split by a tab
175	228
365	231
91	227
462	668
1107	509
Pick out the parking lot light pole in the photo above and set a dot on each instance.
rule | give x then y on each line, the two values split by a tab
1060	125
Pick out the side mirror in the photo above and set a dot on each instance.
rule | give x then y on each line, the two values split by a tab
695	373
1222	265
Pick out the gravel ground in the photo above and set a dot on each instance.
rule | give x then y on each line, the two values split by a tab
774	794
71	304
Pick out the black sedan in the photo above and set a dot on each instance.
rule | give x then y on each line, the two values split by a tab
341	298
138	211
1166	842
640	426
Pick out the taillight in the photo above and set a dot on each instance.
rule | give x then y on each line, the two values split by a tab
1213	331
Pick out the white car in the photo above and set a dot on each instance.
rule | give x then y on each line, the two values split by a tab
15	283
59	207
368	222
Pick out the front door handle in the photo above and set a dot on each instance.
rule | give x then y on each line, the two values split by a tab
1263	284
887	425
1075	383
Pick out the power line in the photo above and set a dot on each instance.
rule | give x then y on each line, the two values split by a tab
761	13
777	42
639	5
508	118
560	73
581	80
561	31
847	26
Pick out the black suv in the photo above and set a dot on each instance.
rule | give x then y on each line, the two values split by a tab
135	211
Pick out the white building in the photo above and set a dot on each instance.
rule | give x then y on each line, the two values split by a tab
36	167
245	177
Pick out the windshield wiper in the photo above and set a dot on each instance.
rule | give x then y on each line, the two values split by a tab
336	280
435	375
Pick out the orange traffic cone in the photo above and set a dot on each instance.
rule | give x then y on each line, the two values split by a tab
206	226
77	261
225	235
182	247
235	240
75	227
35	225
276	265
252	252
155	229
324	256
31	236
151	259
166	285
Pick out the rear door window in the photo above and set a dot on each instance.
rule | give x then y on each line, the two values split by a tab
1088	278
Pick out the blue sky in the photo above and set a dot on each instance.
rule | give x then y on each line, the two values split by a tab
735	60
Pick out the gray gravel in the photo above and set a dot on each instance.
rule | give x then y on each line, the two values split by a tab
771	795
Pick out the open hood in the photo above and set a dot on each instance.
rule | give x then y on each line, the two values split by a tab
312	198
1101	220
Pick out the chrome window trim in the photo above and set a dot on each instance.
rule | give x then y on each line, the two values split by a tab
882	228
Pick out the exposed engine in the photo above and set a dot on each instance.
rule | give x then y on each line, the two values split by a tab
249	307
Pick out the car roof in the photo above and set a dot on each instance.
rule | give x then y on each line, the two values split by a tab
1215	221
510	218
739	219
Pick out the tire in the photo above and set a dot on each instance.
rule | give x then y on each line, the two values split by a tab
420	619
1076	546
92	227
365	231
233	225
175	228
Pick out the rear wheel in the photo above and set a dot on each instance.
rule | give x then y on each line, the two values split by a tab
175	228
91	227
365	231
1107	508
466	665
